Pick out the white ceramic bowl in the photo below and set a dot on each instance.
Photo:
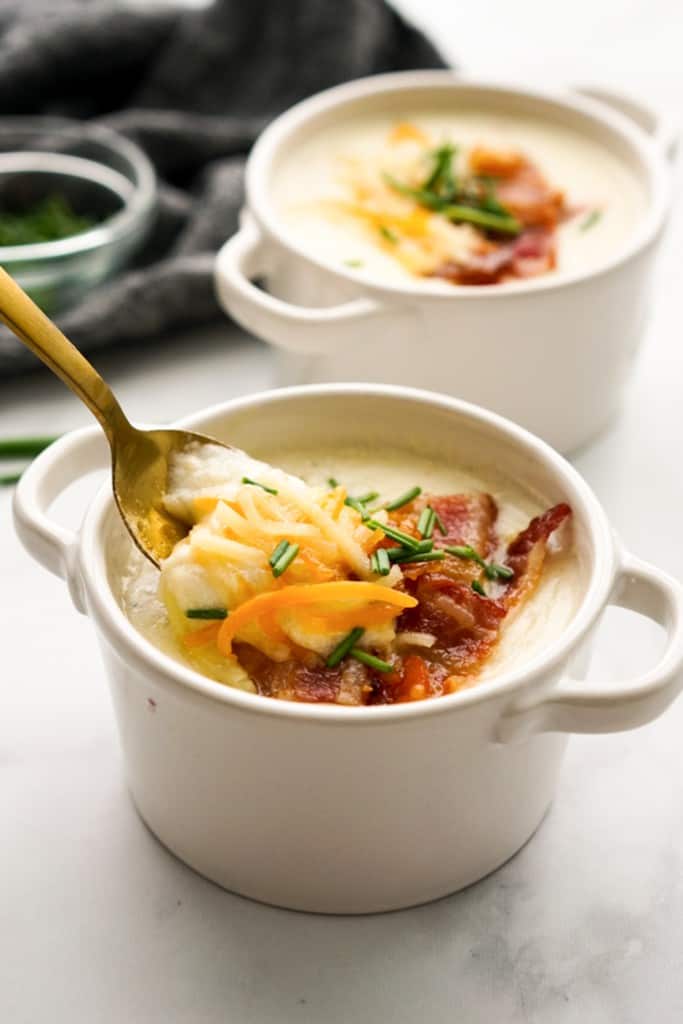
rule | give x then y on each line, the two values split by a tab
350	810
535	350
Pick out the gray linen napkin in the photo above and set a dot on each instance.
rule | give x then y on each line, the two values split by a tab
193	88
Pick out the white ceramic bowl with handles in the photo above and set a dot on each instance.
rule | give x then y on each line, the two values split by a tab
351	810
536	350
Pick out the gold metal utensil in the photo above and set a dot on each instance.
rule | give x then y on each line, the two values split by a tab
140	458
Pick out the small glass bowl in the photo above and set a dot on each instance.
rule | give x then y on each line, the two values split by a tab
101	175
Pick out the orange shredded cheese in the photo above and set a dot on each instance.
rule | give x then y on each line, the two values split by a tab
310	594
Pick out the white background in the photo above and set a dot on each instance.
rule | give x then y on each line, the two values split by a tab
99	924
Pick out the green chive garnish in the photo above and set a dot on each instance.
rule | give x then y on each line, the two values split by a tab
398	535
465	551
422	547
24	446
278	552
355	503
419	556
442	172
365	498
380	562
255	483
9	479
425	524
478	589
494	571
591	220
344	646
404	499
285	559
388	234
439	522
370	660
353	263
206	613
331	482
482	219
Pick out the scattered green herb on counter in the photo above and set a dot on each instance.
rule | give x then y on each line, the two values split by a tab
353	263
9	479
48	220
24	446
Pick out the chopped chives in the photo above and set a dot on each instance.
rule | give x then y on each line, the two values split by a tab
19	446
255	483
404	499
478	588
355	504
278	552
331	482
206	613
465	551
369	496
421	547
353	263
344	646
9	478
490	221
370	660
439	522
398	535
380	563
591	220
494	571
425	524
285	560
388	234
419	556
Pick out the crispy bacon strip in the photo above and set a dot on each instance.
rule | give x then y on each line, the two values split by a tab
526	553
307	680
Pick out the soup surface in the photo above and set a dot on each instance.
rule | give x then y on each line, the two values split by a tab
365	578
464	198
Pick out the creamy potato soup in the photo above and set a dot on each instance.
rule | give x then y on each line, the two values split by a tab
354	577
467	198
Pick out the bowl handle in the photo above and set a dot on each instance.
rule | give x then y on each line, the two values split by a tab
574	707
49	543
303	329
663	130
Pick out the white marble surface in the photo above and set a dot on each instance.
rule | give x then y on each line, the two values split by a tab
98	923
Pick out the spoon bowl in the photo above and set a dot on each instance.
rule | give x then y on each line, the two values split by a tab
140	458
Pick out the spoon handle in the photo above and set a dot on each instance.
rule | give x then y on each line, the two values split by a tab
46	341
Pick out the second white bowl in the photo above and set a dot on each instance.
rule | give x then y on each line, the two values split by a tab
552	353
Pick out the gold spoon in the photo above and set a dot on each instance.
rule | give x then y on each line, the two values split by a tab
140	458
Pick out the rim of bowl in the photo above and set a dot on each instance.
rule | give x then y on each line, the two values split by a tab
135	208
275	136
121	633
